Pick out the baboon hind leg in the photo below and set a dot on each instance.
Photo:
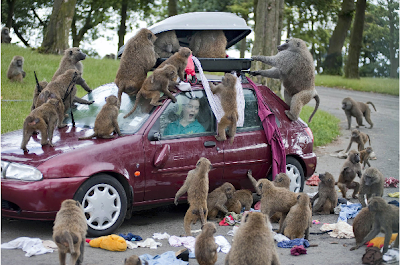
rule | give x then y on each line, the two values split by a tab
297	103
367	116
221	129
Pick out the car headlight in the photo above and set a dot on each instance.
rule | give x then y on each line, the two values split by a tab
20	172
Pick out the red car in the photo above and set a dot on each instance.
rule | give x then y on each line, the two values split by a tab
149	163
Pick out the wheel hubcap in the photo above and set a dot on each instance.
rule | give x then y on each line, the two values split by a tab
295	178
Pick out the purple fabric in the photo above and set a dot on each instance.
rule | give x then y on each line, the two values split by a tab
272	133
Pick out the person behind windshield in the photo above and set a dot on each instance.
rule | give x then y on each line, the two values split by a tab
188	123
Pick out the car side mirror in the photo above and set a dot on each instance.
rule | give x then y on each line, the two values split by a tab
154	133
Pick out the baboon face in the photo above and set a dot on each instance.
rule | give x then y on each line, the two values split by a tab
75	54
355	133
375	203
369	150
112	100
229	189
209	228
150	35
346	104
354	156
20	62
132	260
204	163
293	44
327	178
229	80
185	52
170	72
370	176
263	185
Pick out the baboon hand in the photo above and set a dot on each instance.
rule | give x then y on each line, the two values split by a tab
176	202
354	248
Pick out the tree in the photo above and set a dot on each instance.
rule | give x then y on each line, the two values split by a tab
393	37
334	62
55	38
356	38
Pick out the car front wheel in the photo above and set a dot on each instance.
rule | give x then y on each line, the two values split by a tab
295	172
104	203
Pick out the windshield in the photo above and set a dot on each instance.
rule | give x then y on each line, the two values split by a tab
85	115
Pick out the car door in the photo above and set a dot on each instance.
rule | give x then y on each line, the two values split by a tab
170	157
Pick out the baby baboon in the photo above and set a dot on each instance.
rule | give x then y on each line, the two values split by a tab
327	196
137	59
134	260
106	121
42	119
365	156
69	231
208	44
362	224
166	44
38	88
217	199
386	218
294	66
253	242
205	246
371	184
227	92
357	110
240	199
179	60
299	219
360	138
15	71
196	186
154	84
5	35
350	169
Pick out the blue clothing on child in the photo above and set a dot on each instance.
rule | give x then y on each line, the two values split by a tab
176	128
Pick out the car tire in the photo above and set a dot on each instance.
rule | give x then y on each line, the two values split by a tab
104	203
296	174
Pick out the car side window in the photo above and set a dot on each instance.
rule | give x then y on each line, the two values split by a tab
251	118
190	115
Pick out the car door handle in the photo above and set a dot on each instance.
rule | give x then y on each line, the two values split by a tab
208	144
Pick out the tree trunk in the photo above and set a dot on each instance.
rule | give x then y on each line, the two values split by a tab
122	25
172	8
11	5
266	32
55	38
394	62
356	38
334	62
243	44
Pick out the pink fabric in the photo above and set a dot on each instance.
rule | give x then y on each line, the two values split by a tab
298	250
313	180
190	67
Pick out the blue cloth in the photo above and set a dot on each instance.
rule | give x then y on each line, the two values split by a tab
130	237
349	211
394	202
176	128
167	258
294	242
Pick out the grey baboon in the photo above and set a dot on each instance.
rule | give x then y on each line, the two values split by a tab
205	246
357	110
362	224
294	66
253	242
196	186
42	119
15	71
154	84
166	44
208	44
5	35
227	92
217	198
137	59
327	196
69	231
360	138
299	219
350	169
240	199
365	156
106	121
371	184
386	218
134	260
38	88
110	56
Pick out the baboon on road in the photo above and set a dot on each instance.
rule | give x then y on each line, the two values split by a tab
299	219
5	35
327	196
166	44
217	199
294	66
371	184
362	224
15	71
350	169
365	156
208	44
240	199
134	260
360	138
357	109
205	246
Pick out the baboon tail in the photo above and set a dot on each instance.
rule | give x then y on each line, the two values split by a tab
68	238
369	140
135	106
88	137
316	97
372	104
202	217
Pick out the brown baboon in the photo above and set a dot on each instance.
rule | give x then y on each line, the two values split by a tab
110	56
299	219
154	84
350	169
208	44
282	180
357	110
5	35
294	66
15	71
42	119
327	196
360	138
371	184
106	121
134	260
137	59
38	88
166	44
217	198
196	186
240	199
205	246
253	242
386	218
275	199
227	92
362	224
69	231
365	156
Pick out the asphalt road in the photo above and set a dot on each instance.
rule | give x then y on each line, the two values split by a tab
169	219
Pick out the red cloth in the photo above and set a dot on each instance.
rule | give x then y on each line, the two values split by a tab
298	250
313	180
190	67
